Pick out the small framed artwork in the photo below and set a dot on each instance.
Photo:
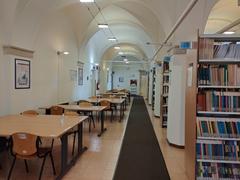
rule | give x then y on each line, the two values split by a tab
22	74
121	79
80	76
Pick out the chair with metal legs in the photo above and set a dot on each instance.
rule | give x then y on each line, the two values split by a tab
25	146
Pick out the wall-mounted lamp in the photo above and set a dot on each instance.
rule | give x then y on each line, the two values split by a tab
62	52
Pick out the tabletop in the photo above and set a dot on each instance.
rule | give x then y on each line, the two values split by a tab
41	125
82	108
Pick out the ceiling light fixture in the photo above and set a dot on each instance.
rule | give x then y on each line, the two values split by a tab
228	32
120	53
63	52
125	60
96	64
87	1
103	26
112	39
117	47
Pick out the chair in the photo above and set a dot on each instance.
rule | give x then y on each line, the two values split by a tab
81	101
56	110
24	146
73	130
88	113
108	108
30	112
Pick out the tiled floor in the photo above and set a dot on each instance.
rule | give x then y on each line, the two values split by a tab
99	161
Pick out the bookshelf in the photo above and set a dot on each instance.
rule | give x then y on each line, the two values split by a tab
214	151
154	86
165	90
158	90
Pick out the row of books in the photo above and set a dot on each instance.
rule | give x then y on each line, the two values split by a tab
208	49
218	101
219	75
227	50
165	89
165	79
207	170
230	128
218	150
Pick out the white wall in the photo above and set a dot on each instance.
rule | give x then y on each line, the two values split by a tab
50	73
127	72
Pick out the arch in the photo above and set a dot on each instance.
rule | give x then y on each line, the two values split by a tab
223	13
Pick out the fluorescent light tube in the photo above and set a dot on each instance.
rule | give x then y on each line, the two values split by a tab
103	26
117	47
87	1
112	39
229	32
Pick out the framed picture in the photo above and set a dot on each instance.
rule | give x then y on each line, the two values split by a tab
22	74
121	79
80	76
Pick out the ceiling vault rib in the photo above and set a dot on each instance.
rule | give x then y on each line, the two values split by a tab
231	25
175	27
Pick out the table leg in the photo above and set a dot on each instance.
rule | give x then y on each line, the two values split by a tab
81	149
122	109
65	165
102	124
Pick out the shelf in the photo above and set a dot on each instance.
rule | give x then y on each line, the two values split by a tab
165	95
218	138
218	161
218	87
165	105
164	115
210	178
166	74
214	119
165	84
218	113
223	37
222	60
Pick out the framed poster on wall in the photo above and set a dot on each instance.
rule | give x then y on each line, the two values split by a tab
22	74
80	76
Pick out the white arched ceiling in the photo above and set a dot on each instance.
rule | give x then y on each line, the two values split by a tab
223	13
128	26
29	15
133	50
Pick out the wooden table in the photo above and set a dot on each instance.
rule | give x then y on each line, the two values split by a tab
122	94
87	109
116	101
51	126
